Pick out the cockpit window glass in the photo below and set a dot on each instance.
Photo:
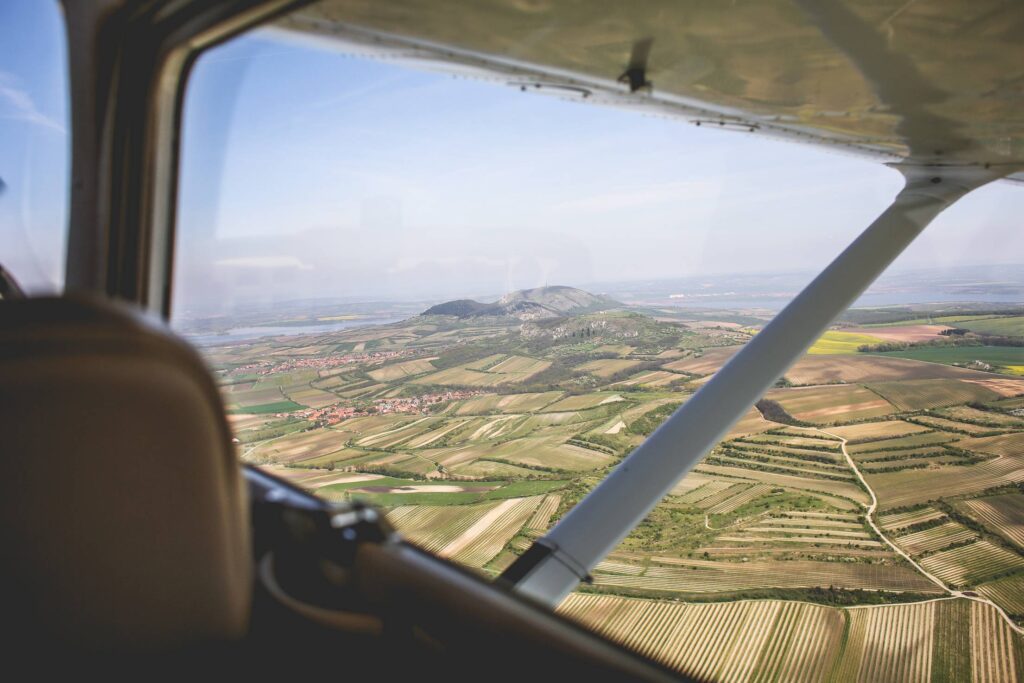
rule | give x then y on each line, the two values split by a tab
466	304
34	145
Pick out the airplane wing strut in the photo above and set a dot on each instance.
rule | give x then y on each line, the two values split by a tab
557	562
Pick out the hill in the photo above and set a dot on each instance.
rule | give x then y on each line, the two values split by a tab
528	304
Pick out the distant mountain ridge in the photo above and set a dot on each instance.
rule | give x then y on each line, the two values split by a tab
528	304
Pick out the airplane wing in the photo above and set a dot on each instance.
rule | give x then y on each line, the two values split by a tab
939	83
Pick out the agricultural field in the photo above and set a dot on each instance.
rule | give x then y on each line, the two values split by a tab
920	394
1003	515
1006	445
654	378
831	404
935	538
1011	391
475	436
972	563
504	370
470	534
605	368
683	576
901	333
989	418
707	363
835	342
1008	593
1008	326
900	444
875	431
863	367
765	640
911	487
310	397
410	368
956	426
583	402
997	357
507	403
897	521
300	446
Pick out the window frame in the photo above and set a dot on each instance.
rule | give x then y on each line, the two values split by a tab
129	68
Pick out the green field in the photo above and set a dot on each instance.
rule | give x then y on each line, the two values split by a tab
267	408
997	356
1011	326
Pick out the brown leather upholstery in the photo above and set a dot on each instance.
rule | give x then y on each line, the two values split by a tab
123	514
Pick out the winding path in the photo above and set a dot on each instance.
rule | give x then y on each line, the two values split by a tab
870	516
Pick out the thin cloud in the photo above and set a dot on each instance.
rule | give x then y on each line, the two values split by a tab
646	196
265	262
22	108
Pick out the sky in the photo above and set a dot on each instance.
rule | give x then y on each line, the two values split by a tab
311	173
34	156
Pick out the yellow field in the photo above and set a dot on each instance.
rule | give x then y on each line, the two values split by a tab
841	343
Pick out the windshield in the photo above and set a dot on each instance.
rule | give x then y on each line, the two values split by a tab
466	304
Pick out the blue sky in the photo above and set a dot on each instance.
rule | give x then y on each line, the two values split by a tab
309	172
33	142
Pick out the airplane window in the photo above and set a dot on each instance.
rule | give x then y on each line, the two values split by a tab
34	157
466	304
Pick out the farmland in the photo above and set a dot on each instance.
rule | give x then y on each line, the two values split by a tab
1004	515
947	640
862	482
835	342
997	356
834	403
931	393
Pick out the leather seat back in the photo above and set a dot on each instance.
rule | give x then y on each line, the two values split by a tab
123	515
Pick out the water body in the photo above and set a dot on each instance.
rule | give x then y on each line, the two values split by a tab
240	334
